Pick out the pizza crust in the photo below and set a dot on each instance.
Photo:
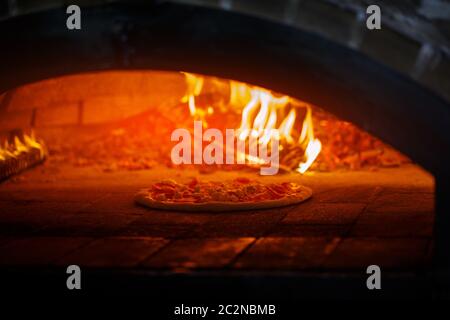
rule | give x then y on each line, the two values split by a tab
143	198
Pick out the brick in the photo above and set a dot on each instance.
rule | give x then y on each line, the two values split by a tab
264	8
58	116
167	224
315	212
72	89
359	253
397	215
39	250
327	20
403	203
410	189
169	231
117	203
31	209
391	48
87	224
346	194
309	230
114	252
437	78
28	216
106	109
15	120
388	224
172	217
51	195
19	217
240	224
199	253
286	253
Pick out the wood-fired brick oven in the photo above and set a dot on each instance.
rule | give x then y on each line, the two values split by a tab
398	217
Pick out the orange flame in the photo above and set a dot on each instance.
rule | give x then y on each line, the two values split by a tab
261	111
19	146
194	88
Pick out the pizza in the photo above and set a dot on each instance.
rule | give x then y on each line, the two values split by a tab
233	195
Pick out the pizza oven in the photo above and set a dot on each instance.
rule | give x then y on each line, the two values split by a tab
87	116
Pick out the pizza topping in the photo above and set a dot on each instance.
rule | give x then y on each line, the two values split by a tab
243	180
238	190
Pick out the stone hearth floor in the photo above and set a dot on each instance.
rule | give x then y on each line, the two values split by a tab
56	216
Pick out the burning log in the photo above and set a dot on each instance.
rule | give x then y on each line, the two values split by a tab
20	155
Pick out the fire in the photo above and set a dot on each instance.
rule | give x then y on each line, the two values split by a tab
194	88
18	146
261	110
311	153
313	145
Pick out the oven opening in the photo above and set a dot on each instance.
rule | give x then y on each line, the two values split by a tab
88	142
257	150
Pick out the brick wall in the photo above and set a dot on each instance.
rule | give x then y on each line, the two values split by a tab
88	98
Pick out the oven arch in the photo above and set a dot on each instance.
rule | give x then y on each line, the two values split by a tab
171	36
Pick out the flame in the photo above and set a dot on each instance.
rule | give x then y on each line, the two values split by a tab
18	146
194	88
313	145
311	153
249	109
261	111
287	125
